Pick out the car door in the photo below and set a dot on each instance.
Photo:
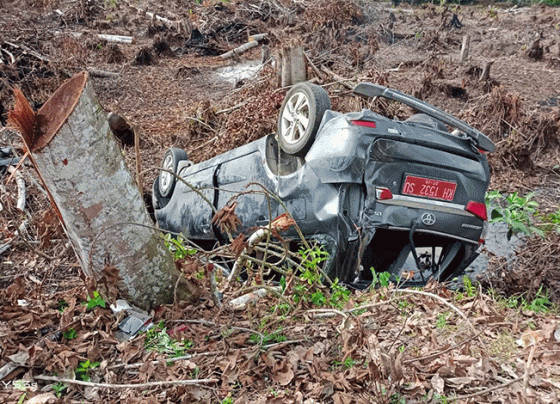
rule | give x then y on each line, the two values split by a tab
192	203
239	178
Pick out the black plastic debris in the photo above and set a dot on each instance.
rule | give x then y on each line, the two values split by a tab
7	158
136	320
455	23
201	45
144	57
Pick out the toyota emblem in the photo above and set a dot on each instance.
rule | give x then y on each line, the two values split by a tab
428	219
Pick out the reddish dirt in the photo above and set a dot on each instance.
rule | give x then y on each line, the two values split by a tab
400	348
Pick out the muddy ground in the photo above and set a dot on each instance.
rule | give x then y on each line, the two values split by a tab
167	82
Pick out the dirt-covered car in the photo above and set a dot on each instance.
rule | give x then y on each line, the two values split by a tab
376	193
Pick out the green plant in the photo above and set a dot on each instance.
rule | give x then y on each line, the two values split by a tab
403	305
309	282
514	210
552	221
318	298
468	287
69	333
59	389
95	301
441	320
492	12
310	260
274	337
177	246
381	279
347	363
300	293
227	400
339	295
540	304
397	399
157	339
281	309
440	399
83	370
62	304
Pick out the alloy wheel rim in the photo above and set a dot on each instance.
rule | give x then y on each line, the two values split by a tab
295	118
166	177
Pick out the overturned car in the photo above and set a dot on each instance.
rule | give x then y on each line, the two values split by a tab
376	193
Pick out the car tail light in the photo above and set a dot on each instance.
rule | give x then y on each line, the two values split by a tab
367	124
383	193
478	209
482	151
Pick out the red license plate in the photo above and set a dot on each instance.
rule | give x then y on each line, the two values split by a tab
434	189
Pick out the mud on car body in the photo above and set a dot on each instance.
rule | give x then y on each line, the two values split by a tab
376	193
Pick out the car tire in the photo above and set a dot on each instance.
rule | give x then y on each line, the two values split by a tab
300	117
166	180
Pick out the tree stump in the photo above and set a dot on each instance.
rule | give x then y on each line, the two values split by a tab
292	66
96	198
465	49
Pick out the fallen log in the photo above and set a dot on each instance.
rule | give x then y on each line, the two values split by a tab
167	22
20	182
240	49
106	37
257	37
103	74
94	194
116	38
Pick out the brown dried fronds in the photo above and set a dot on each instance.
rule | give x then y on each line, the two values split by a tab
496	113
238	245
226	218
545	126
537	264
431	41
333	14
283	222
23	117
113	54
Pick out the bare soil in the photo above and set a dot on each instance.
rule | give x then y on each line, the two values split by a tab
404	346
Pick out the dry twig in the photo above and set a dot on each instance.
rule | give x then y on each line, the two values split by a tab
127	386
441	299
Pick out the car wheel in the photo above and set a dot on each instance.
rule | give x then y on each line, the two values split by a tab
300	116
166	180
